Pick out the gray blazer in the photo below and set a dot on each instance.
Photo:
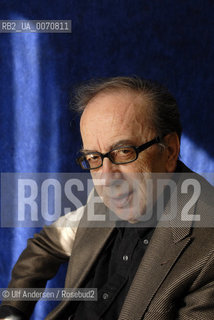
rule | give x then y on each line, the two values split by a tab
175	279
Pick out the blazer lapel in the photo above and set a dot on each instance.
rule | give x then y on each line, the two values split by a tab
89	241
85	252
155	265
169	240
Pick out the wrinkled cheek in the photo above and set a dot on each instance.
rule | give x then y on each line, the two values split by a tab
99	190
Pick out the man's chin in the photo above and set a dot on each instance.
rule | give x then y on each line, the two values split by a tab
124	208
125	214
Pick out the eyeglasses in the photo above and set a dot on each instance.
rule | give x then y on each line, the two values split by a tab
120	155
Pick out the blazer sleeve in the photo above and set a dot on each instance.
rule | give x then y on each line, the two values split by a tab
41	260
199	303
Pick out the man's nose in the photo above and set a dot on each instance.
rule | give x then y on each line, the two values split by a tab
109	171
108	166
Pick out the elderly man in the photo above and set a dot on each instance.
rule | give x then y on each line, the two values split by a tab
130	131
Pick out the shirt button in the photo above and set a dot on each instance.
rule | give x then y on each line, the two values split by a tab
105	296
145	241
125	258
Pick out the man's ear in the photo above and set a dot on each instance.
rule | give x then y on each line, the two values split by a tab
172	151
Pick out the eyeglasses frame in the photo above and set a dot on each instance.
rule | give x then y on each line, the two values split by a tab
139	149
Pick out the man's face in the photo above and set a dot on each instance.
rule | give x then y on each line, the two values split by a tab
113	119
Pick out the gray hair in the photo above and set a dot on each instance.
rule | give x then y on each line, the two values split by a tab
165	116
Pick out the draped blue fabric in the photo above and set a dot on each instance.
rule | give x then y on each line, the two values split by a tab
168	41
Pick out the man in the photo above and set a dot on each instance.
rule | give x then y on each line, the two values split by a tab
130	131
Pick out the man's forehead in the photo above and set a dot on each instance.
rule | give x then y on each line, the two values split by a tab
113	117
116	104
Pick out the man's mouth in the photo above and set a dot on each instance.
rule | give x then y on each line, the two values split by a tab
121	200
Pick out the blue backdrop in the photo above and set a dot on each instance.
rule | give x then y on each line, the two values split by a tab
168	41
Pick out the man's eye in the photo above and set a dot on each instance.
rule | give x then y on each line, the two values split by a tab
125	151
123	154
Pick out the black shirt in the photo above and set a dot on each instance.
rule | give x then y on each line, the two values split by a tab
114	271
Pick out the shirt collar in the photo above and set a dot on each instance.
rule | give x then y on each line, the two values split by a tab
139	228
